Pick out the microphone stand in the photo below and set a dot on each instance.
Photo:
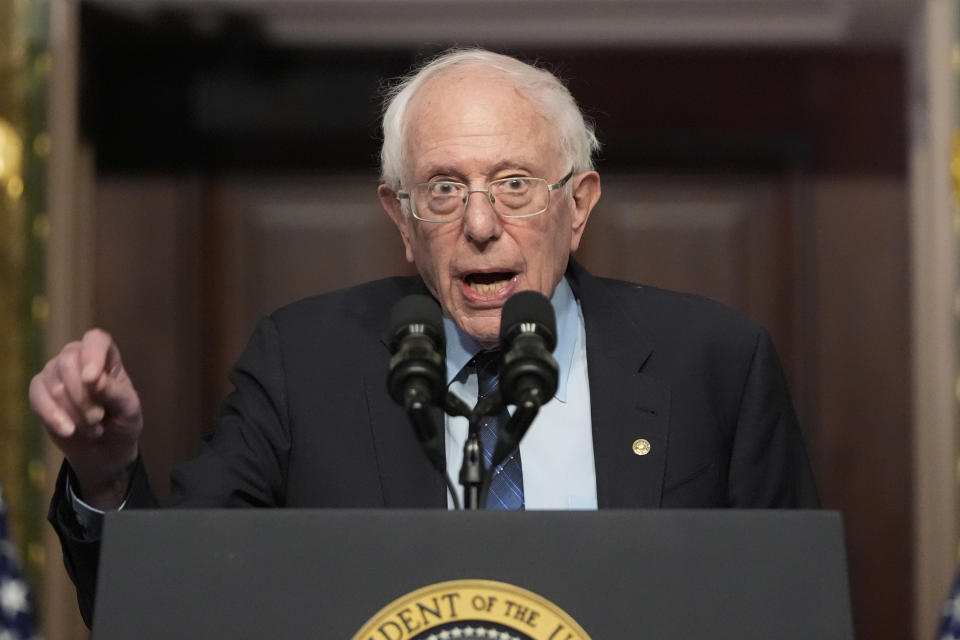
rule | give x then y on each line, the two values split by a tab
473	476
471	472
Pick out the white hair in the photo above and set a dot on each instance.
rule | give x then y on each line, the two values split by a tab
578	141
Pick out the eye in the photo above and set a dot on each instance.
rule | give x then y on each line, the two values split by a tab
443	189
513	188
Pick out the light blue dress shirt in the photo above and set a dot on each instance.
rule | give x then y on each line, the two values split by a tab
557	451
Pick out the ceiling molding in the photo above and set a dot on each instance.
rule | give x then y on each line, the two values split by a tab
660	23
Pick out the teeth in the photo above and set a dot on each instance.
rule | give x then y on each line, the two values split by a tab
485	288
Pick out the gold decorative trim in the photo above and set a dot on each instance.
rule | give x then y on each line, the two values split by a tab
24	147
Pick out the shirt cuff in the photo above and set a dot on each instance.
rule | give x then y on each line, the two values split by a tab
88	517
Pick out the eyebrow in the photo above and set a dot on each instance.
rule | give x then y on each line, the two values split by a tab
503	165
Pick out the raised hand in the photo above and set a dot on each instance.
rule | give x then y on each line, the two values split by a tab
91	411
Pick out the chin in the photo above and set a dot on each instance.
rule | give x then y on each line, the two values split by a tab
485	335
489	340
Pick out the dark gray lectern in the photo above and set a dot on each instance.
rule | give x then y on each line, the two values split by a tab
662	575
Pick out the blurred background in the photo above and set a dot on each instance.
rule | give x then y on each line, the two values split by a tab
173	170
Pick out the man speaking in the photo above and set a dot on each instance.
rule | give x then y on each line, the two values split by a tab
663	400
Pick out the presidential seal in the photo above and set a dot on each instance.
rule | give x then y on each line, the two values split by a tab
471	610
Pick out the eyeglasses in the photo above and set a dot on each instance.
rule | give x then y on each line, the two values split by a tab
516	197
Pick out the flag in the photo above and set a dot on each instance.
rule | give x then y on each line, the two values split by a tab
950	616
16	612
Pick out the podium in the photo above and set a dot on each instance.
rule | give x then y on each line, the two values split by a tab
663	575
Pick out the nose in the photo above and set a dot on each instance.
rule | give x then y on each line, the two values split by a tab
480	222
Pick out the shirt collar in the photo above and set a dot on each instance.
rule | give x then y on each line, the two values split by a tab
461	347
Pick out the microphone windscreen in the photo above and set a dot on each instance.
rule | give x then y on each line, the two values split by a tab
416	313
526	312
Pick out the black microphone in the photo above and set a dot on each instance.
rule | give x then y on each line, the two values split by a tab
417	375
528	334
528	373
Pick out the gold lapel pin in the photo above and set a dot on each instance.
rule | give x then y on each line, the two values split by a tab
641	446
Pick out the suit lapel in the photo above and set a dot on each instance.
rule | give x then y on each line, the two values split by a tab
628	407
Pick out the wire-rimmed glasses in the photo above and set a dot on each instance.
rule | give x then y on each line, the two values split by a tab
514	197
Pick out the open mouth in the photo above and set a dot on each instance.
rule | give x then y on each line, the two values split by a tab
489	283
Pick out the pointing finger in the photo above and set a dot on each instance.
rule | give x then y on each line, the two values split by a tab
96	351
68	372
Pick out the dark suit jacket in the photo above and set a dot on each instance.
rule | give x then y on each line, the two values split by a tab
310	423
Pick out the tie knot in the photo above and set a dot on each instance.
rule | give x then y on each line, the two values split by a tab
487	364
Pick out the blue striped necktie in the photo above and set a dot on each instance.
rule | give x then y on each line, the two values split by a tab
506	484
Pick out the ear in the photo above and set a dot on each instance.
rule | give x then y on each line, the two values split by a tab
586	193
390	203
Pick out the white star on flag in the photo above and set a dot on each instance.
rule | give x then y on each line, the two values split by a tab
953	607
950	615
13	597
16	621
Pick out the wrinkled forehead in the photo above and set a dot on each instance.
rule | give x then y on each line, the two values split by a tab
473	101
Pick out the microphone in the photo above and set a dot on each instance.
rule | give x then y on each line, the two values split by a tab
528	373
528	334
417	373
